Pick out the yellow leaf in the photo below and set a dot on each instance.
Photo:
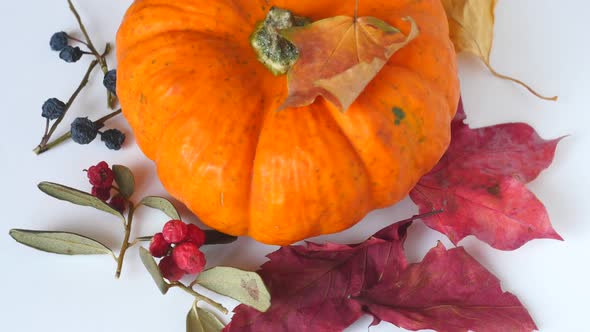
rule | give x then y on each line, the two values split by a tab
471	24
339	57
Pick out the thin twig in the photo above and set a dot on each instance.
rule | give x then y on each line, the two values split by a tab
126	243
101	58
200	297
99	124
79	89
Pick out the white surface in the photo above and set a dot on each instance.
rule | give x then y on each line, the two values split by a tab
543	42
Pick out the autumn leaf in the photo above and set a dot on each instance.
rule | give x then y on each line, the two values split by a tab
480	183
448	291
325	288
471	25
310	285
339	57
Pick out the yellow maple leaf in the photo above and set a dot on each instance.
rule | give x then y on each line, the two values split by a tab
471	24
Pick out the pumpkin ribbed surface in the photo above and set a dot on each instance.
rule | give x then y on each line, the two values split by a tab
204	109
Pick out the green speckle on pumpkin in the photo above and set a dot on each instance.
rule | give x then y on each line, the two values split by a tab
399	115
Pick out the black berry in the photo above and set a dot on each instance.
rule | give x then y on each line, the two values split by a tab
71	54
53	108
113	139
58	41
110	81
83	131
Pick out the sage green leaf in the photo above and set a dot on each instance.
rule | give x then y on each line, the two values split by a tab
62	243
244	286
150	264
76	197
162	204
125	180
200	320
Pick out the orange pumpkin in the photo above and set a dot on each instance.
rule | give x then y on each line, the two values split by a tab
204	109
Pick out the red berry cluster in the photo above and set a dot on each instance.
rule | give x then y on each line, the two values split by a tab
101	178
179	245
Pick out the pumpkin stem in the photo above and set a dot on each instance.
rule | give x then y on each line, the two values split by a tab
273	50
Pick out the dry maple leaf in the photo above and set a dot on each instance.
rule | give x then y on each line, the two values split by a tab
448	291
339	57
471	24
480	183
326	288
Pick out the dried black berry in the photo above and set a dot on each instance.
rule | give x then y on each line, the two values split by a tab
113	139
59	41
71	54
53	108
83	131
110	81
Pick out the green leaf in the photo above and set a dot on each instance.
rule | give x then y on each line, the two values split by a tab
246	287
125	180
162	204
76	197
150	264
200	320
62	243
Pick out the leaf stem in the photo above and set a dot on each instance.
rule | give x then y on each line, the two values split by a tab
200	297
100	123
126	245
519	82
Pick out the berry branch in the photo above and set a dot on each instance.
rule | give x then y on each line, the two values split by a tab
63	110
100	123
111	98
83	131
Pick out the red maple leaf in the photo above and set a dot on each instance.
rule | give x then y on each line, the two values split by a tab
480	183
448	291
324	288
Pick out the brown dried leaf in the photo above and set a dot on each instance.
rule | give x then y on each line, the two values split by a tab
471	26
339	57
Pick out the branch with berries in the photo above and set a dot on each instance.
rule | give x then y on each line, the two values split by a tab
54	110
178	245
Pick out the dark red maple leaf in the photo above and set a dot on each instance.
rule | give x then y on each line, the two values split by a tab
325	288
448	291
480	183
312	286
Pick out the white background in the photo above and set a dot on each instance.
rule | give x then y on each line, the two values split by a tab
543	42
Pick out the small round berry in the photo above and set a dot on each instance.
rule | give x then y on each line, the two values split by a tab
175	231
189	258
118	203
59	41
159	246
195	235
170	270
110	81
83	131
101	175
71	54
102	193
53	108
113	139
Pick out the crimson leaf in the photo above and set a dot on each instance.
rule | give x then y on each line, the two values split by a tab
448	291
325	288
480	184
